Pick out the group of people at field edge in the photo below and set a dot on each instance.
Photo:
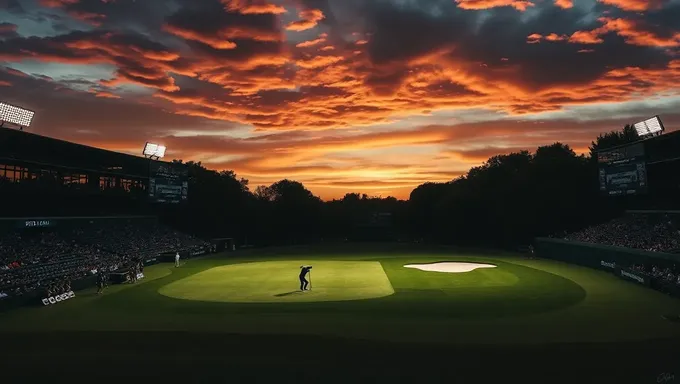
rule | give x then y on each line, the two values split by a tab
666	275
57	288
134	270
656	232
36	259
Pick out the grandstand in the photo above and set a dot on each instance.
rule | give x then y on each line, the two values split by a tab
654	231
645	244
56	226
36	259
653	164
45	176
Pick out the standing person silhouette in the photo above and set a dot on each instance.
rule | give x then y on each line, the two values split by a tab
303	281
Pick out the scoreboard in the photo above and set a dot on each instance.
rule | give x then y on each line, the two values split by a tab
623	171
168	182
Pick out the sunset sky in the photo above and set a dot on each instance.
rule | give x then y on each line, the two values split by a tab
344	96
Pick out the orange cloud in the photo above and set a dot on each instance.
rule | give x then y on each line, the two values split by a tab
211	40
104	94
5	83
534	38
520	5
253	7
586	37
634	5
565	4
318	61
311	43
310	18
634	32
555	37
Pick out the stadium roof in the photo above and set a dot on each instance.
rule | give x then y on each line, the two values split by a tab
658	148
663	147
21	146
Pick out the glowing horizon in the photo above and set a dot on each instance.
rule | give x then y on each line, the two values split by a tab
345	97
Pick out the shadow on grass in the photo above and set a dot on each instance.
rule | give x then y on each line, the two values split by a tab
289	293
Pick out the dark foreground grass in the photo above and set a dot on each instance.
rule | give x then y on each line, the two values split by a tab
525	321
226	358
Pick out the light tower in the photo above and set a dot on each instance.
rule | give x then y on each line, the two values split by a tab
650	127
15	116
154	151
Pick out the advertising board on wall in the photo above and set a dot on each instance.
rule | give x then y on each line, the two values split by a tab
58	298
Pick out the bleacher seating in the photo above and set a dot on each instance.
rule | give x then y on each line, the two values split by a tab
31	260
651	231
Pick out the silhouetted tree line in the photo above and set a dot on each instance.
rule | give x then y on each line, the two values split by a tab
505	202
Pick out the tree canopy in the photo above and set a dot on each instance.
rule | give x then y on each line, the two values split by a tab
507	200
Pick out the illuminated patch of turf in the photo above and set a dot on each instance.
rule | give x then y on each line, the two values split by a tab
277	282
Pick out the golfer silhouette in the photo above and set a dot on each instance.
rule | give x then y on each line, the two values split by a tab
303	272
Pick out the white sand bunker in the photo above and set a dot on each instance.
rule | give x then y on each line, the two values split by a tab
449	267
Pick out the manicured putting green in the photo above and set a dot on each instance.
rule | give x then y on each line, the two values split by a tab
277	282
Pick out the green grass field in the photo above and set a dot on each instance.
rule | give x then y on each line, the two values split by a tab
371	296
366	295
274	282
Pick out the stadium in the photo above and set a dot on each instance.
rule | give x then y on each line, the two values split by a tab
109	271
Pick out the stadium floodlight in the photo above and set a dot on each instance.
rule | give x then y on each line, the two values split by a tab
152	150
15	115
650	126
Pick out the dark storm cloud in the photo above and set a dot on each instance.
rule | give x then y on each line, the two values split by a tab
209	19
402	33
62	112
399	34
227	39
51	47
138	59
129	14
12	6
553	63
666	20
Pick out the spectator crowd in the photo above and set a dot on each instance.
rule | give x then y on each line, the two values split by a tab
667	276
649	231
49	259
654	232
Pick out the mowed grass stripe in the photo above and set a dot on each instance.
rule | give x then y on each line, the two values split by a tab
277	282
